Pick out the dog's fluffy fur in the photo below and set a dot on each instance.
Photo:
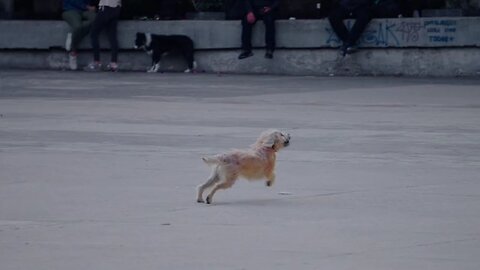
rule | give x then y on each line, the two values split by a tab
157	45
255	163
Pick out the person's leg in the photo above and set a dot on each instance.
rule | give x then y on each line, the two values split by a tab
336	17
269	20
113	15
246	39
246	35
362	18
97	26
74	20
87	20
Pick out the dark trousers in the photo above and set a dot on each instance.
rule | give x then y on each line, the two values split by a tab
80	23
269	21
107	18
362	18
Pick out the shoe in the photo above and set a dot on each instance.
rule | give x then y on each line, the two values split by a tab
269	54
351	49
346	48
68	42
93	67
72	61
245	54
343	49
113	67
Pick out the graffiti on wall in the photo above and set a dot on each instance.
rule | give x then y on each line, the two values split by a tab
441	31
396	32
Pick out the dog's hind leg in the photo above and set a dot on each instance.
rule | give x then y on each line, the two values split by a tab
221	185
192	65
214	178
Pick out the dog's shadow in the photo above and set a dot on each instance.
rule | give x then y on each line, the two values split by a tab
254	202
284	200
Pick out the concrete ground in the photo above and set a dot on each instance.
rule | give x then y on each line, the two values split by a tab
98	171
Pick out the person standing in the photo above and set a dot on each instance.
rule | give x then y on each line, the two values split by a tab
343	9
256	10
107	18
79	14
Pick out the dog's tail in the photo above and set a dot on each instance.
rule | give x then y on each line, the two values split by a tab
211	160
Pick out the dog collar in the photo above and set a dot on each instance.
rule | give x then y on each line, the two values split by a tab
270	149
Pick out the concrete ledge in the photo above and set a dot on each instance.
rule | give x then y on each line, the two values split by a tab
411	46
441	62
296	34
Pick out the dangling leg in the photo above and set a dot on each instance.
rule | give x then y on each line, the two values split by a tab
246	39
362	18
336	17
269	21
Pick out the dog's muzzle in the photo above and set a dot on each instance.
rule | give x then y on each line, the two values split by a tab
287	141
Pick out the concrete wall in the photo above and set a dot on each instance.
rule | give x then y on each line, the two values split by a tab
409	46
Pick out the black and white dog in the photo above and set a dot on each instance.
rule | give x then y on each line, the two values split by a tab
157	45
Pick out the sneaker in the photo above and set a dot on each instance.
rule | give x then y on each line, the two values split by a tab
269	54
245	54
68	42
113	67
351	49
72	61
348	49
93	67
343	49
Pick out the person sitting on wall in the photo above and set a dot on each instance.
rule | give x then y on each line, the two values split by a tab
259	9
343	9
79	14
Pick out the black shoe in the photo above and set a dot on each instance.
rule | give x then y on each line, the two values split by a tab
269	54
245	54
351	49
343	49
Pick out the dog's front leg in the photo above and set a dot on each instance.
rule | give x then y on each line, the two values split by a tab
270	179
155	61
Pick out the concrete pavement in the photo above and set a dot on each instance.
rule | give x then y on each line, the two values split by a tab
98	171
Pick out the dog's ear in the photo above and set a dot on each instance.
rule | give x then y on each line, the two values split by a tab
269	140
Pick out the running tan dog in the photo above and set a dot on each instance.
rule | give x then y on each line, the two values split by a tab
255	163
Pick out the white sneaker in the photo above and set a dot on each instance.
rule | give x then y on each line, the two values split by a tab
113	67
72	61
68	42
93	67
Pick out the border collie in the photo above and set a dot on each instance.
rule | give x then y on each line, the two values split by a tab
157	45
